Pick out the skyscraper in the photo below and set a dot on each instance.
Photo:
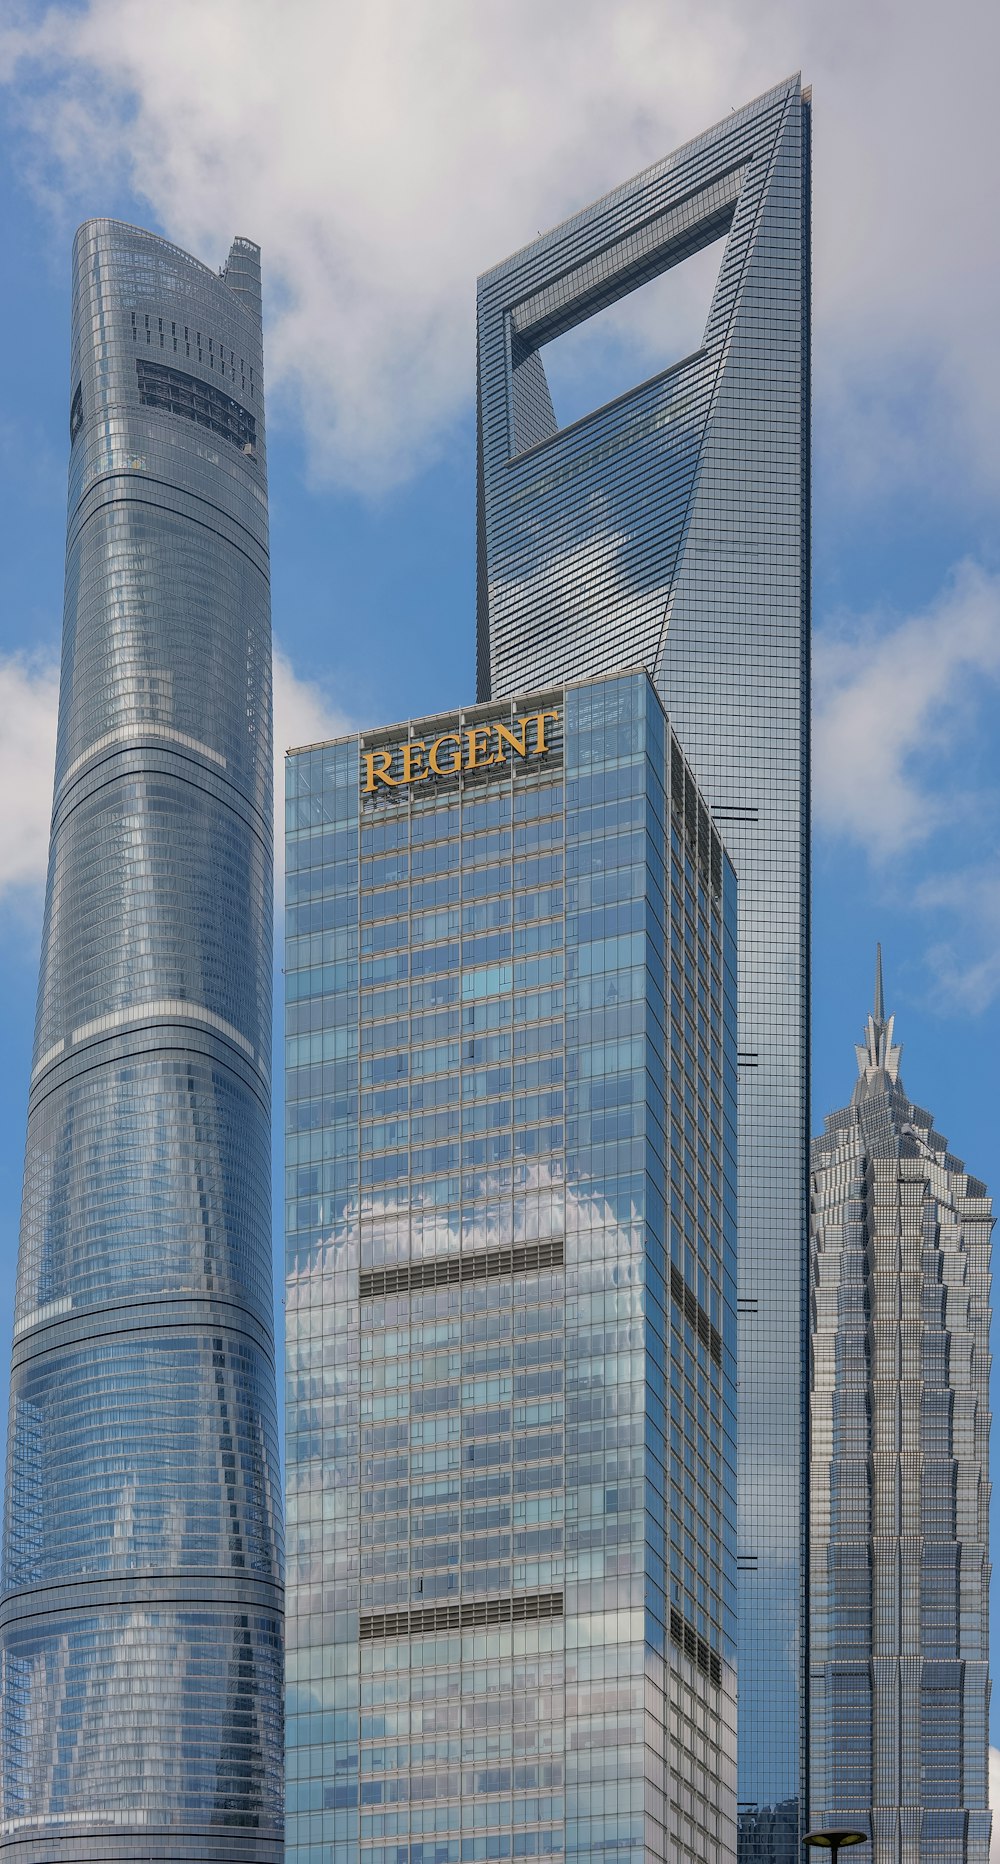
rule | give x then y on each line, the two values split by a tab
140	1625
510	1295
899	1576
670	528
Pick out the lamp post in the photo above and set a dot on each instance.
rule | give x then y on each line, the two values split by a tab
832	1841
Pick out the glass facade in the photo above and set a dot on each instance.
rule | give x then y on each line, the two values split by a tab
140	1623
899	1581
670	528
511	1219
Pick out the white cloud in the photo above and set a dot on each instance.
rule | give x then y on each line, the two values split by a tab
303	714
904	766
29	700
383	154
893	704
964	962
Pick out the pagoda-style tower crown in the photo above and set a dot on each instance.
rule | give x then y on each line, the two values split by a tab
877	1054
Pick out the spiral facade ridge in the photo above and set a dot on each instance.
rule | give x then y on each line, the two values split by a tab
140	1623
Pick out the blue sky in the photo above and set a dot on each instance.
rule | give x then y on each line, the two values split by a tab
382	156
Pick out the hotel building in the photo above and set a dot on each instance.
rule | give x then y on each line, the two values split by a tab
511	1053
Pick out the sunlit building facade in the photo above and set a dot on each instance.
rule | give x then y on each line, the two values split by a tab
510	1291
899	1589
670	527
140	1622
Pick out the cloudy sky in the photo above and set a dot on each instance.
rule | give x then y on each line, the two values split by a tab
384	154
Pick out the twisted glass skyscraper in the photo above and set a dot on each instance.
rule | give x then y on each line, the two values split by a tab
899	1575
670	527
140	1635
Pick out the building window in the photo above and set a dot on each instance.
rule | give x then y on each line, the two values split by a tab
178	393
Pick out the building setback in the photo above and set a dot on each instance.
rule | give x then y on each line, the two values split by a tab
510	1290
900	1476
670	528
140	1623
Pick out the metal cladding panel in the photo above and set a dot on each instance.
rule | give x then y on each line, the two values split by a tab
671	527
140	1624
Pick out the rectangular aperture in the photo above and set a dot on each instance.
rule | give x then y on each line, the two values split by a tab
660	243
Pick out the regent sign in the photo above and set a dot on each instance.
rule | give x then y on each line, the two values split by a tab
475	747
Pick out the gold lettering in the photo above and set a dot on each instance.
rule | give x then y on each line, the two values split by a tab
446	770
539	723
474	733
472	751
410	773
380	775
504	736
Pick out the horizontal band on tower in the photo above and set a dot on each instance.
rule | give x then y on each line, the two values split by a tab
443	1271
523	1608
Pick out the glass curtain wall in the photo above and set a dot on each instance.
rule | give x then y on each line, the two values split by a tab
900	1476
140	1624
669	527
510	1255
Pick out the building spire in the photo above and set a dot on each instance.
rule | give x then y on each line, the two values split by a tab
878	1054
879	1011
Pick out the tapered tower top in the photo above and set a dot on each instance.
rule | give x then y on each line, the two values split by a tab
877	1054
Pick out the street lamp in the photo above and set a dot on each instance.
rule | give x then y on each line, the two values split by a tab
832	1841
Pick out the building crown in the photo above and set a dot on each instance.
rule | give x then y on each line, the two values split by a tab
877	1054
